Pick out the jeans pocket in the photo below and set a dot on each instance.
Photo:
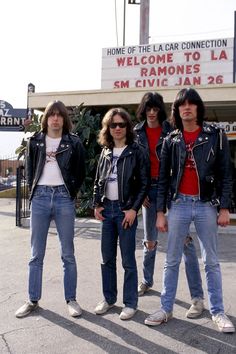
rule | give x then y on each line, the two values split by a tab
64	194
39	193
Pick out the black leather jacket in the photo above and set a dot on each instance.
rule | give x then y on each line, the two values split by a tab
212	158
143	140
69	156
132	174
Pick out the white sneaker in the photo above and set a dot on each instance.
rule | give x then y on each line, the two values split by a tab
142	289
74	308
26	309
127	313
223	322
158	317
196	309
103	307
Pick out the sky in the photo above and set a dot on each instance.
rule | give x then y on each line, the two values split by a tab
57	44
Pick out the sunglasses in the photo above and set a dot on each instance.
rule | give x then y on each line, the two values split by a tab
119	124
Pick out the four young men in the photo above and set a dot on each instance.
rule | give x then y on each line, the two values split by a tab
194	184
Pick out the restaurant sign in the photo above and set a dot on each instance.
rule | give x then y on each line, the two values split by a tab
11	119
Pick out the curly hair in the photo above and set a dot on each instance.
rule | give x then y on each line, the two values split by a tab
150	100
192	96
59	108
105	138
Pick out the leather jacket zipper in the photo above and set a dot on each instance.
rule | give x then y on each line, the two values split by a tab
122	181
105	185
57	153
199	188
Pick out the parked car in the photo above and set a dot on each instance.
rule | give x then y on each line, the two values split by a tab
4	186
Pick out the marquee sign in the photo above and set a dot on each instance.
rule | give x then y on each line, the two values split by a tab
11	119
201	62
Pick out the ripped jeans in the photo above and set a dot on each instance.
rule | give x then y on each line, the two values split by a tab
189	251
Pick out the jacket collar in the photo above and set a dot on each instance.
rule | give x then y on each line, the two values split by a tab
166	128
40	138
128	151
207	130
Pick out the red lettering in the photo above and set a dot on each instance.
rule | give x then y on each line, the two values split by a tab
129	61
121	84
223	55
144	72
120	61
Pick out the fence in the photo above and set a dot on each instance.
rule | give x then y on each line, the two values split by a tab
22	200
12	176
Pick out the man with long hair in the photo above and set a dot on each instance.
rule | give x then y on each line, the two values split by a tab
119	190
55	171
195	169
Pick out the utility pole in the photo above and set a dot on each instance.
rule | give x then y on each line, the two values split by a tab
144	22
124	18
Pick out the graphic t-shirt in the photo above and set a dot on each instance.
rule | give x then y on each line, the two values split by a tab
51	175
153	135
112	181
189	181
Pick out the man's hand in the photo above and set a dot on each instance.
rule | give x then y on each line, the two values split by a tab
129	218
98	213
223	217
161	223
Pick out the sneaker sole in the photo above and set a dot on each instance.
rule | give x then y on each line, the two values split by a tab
226	330
156	323
194	315
152	323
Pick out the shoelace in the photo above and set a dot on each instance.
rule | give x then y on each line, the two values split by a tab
221	317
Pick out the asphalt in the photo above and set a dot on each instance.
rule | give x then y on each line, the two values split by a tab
51	330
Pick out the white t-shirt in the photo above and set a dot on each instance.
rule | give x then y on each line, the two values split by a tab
51	175
112	182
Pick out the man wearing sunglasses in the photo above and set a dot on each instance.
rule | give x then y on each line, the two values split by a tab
119	190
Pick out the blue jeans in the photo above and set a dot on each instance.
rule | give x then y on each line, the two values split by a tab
184	210
52	203
112	230
151	234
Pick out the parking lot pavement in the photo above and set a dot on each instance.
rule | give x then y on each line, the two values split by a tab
51	330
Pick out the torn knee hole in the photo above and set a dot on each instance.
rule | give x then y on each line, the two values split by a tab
150	245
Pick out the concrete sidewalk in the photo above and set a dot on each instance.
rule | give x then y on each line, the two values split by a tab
51	330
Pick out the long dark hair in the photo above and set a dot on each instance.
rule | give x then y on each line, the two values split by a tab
150	100
105	138
192	96
56	107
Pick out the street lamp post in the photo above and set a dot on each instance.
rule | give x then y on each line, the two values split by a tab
31	89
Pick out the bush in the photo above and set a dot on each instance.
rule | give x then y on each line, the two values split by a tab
87	127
